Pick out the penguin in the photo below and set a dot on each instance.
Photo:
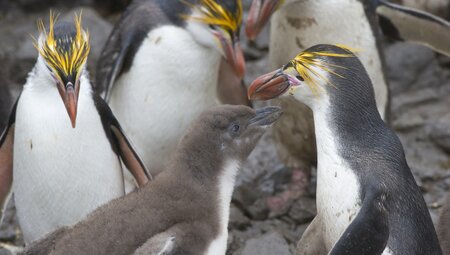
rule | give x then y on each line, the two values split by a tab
296	25
185	209
443	227
162	62
367	199
60	153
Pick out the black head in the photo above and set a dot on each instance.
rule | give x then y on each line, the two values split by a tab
64	49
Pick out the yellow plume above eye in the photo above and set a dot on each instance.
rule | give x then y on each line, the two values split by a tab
64	56
307	62
216	14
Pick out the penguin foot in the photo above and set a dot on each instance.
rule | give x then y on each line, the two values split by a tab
280	203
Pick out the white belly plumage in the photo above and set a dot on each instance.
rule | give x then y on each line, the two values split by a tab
171	81
302	24
60	173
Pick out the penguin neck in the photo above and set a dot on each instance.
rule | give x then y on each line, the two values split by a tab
340	117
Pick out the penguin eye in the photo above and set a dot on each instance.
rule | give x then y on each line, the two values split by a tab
212	27
235	128
299	78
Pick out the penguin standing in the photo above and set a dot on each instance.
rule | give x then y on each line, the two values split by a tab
66	152
161	62
296	25
367	199
185	209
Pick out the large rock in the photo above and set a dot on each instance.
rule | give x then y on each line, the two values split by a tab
269	244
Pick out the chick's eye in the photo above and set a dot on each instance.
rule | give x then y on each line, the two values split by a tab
299	78
235	128
212	27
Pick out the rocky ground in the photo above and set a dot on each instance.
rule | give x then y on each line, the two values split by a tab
420	89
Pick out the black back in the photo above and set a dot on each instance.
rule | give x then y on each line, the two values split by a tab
374	151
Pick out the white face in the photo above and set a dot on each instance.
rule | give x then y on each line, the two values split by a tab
303	92
205	34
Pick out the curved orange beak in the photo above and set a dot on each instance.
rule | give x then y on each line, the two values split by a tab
269	86
259	15
232	52
69	94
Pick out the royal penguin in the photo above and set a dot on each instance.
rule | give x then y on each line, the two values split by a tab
367	199
296	25
160	68
62	148
185	209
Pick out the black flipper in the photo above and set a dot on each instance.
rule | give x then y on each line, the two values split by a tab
6	160
120	143
368	233
403	23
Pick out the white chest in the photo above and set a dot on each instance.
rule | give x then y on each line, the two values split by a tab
226	185
172	80
338	200
60	173
305	23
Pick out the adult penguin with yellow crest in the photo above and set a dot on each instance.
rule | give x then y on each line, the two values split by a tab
367	199
160	69
65	140
296	25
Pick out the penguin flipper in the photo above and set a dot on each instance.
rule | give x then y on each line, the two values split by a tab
403	23
6	161
123	43
160	244
121	144
368	233
312	240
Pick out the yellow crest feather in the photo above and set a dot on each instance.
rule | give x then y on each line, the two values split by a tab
305	63
63	62
216	14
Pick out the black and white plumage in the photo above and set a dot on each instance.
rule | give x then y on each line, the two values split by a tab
297	25
160	69
63	166
367	198
185	210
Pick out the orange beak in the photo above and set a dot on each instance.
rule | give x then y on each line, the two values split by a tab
233	52
69	94
259	15
269	86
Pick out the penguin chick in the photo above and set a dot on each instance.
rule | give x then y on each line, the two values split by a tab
185	209
367	199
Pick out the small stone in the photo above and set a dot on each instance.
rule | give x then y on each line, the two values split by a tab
4	251
237	219
258	210
408	121
268	244
303	210
440	133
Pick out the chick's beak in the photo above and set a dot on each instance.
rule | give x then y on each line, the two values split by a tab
259	14
232	52
269	86
69	94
